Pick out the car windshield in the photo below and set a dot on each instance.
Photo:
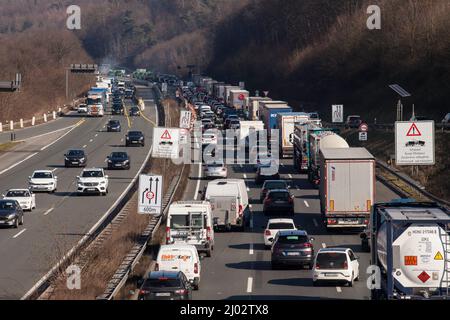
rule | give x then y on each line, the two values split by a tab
215	165
17	193
75	153
193	220
118	155
42	175
292	239
114	122
134	134
281	225
162	283
279	196
331	260
275	185
92	174
6	205
354	118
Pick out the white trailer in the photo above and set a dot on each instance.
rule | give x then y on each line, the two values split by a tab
226	93
347	187
247	126
286	123
253	106
237	99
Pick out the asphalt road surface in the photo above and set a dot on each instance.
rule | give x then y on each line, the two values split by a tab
240	266
63	218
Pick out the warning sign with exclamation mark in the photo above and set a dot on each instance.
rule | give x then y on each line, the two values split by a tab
414	143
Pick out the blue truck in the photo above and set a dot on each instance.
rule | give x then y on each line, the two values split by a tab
269	111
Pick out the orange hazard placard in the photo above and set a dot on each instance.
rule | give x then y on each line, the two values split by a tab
410	260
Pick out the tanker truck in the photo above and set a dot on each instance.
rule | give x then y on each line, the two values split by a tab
410	245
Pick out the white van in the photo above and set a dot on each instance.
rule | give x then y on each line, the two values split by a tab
229	203
190	222
180	257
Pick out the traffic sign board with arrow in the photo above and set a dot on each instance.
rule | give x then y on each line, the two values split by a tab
150	194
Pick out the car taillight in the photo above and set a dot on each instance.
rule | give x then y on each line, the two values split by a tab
291	200
317	266
208	233
264	191
167	234
366	221
240	210
156	266
180	292
345	265
196	268
331	221
267	201
143	292
307	245
267	232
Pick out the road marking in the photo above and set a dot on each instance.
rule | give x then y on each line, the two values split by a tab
245	176
324	245
338	289
54	169
91	140
96	135
48	211
42	149
198	181
148	120
297	187
18	234
315	223
248	189
251	249
55	131
84	146
306	203
249	284
290	176
121	140
281	164
251	221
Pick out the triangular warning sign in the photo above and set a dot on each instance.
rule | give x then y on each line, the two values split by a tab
166	135
413	131
438	256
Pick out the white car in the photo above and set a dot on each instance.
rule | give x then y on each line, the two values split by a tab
24	197
209	138
275	225
93	180
82	108
337	265
43	180
216	169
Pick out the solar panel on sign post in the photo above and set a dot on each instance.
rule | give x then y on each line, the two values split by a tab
402	92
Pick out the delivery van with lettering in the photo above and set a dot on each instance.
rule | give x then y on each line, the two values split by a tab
180	257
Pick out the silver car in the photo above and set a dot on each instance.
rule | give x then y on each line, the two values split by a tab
216	170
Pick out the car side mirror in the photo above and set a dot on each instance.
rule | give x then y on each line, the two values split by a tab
56	178
107	177
270	239
78	177
312	239
357	258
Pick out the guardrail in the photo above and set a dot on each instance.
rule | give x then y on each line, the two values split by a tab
103	223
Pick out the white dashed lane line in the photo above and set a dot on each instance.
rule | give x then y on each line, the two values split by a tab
324	245
306	203
245	176
250	251
91	140
18	234
249	284
290	176
85	146
338	289
48	211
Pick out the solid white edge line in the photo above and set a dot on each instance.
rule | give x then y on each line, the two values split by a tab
17	163
251	249
249	284
48	211
65	134
82	240
18	234
45	134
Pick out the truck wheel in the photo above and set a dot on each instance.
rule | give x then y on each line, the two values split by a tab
208	253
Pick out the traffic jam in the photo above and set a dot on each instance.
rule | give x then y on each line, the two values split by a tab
405	240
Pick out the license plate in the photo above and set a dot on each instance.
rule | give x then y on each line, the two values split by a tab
330	274
2	222
92	189
293	253
163	294
118	165
134	142
348	222
74	162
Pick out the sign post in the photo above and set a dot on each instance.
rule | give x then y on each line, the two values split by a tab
337	113
150	194
414	143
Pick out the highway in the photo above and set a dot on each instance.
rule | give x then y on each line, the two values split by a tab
240	266
63	218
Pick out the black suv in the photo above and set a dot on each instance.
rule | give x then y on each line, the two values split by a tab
75	158
135	112
166	285
118	160
113	126
117	109
134	138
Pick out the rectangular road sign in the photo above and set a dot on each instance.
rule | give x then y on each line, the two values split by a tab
363	136
414	143
185	119
166	143
150	194
337	113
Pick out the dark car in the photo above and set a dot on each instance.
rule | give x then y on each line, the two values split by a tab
135	112
118	160
166	285
11	214
271	185
265	172
113	126
134	138
278	201
75	158
117	109
292	248
353	121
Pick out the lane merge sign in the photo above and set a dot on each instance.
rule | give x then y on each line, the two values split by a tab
414	143
185	119
337	111
166	143
150	194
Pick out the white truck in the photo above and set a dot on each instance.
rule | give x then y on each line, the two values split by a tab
286	123
237	99
226	93
190	222
347	187
247	126
229	203
253	107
